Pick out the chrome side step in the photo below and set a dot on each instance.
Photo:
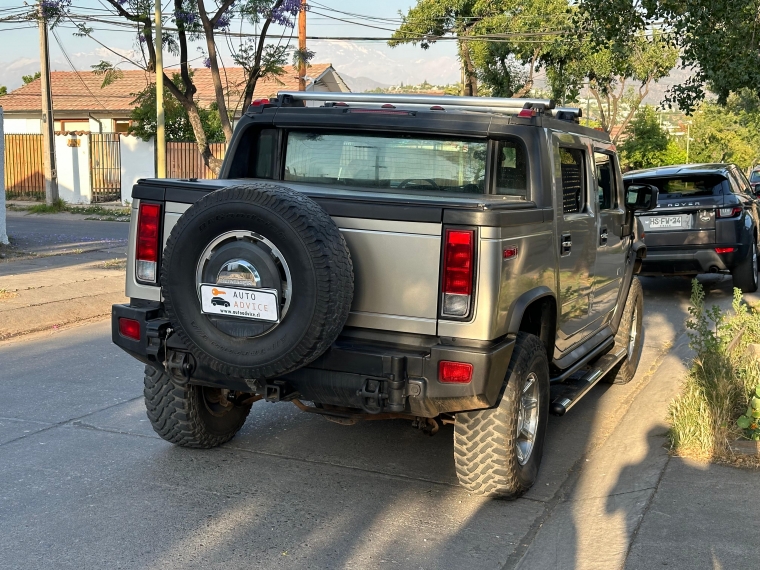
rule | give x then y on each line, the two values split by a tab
567	394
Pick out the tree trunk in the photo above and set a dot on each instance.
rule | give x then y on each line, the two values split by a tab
208	29
471	78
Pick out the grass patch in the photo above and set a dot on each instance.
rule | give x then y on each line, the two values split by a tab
97	212
58	206
115	264
6	294
722	383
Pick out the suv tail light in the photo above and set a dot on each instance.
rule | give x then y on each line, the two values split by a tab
728	212
458	261
454	372
147	242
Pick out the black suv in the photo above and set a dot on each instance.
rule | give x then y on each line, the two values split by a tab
706	221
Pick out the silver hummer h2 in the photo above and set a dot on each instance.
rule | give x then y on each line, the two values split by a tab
455	260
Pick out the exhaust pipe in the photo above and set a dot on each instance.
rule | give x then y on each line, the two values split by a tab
714	269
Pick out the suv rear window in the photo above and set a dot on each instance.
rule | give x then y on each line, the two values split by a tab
399	162
755	176
686	186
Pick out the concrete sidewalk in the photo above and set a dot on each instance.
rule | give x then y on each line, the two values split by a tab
632	505
59	270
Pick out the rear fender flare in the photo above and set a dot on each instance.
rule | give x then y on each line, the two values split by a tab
517	311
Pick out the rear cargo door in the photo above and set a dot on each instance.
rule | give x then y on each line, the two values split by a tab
685	214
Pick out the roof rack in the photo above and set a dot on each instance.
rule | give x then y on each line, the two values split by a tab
448	100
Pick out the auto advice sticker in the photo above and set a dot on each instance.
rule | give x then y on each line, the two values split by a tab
255	304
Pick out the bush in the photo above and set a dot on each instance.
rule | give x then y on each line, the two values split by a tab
722	383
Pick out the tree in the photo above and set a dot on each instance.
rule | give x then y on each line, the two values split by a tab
191	19
612	73
718	40
722	134
506	66
27	79
178	126
3	90
647	141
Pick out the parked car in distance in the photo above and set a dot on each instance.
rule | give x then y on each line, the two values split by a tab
706	221
754	180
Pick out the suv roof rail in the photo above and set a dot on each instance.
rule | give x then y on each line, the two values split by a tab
450	100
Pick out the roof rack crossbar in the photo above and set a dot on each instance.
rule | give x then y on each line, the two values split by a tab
493	102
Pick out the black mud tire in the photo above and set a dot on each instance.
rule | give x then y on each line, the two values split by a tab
633	314
180	416
485	454
745	274
318	260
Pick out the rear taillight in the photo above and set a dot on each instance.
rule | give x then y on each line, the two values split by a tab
454	372
728	212
147	243
458	261
725	249
129	328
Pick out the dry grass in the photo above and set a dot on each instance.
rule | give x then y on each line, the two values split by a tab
115	263
6	294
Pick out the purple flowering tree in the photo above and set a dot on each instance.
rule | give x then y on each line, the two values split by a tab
211	20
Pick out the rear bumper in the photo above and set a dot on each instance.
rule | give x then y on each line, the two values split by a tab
354	373
690	261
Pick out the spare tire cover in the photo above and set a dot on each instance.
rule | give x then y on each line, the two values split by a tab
257	236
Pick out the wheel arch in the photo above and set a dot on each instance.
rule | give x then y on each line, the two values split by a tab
535	312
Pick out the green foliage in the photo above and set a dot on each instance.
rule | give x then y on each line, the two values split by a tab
722	382
728	133
648	144
177	121
717	39
3	90
108	71
58	205
27	79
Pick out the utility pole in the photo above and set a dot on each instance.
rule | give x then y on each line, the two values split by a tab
48	126
302	47
688	139
160	132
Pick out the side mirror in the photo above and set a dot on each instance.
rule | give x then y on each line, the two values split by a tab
641	197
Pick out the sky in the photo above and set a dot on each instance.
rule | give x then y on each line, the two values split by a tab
356	59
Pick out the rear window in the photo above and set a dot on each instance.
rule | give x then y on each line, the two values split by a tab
685	186
400	162
755	176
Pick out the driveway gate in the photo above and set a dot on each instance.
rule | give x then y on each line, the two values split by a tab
105	167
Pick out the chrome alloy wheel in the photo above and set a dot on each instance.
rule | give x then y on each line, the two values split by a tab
634	332
754	265
527	419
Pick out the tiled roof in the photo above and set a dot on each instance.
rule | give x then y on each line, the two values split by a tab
82	92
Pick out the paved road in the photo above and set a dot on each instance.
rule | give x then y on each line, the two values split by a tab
63	233
85	483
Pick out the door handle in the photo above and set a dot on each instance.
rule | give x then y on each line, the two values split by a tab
566	244
603	235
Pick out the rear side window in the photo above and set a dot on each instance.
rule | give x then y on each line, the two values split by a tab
512	169
687	186
606	180
755	176
573	180
402	162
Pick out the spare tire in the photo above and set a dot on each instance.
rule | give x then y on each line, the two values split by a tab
259	238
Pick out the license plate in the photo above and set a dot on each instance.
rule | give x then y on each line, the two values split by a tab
665	222
254	304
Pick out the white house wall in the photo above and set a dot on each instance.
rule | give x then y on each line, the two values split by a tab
137	160
3	229
22	126
73	165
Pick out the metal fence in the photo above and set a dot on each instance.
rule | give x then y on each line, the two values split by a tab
184	161
105	167
24	173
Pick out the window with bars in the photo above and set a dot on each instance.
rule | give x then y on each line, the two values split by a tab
573	180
